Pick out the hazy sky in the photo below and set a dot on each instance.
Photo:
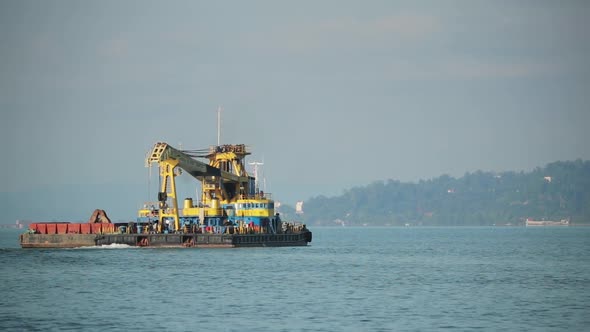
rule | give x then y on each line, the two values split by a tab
330	94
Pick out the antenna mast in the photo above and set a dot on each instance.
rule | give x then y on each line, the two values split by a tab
218	125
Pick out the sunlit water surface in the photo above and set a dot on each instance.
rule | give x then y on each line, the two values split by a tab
348	279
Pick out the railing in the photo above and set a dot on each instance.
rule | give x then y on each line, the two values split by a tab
235	148
261	195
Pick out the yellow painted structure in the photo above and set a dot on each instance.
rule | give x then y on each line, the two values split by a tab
168	186
224	182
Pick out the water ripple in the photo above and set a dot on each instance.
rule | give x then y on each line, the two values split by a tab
364	279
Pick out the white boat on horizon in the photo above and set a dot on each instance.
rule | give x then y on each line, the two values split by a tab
530	222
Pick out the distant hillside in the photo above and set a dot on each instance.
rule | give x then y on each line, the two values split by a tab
557	191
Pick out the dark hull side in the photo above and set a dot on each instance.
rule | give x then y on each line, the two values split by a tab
165	240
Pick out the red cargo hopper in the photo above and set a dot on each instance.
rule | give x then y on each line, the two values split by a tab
62	228
108	228
74	229
42	228
96	228
51	228
85	228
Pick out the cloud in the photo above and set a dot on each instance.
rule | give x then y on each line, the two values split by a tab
461	68
409	26
345	34
483	69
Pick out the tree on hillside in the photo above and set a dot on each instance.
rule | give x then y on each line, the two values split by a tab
558	190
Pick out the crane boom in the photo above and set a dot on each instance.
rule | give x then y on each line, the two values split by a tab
162	152
223	180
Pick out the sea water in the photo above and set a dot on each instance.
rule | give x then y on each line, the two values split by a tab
348	279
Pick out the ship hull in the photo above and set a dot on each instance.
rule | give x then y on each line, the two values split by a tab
546	223
166	240
57	240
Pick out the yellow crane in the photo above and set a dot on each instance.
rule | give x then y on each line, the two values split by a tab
224	179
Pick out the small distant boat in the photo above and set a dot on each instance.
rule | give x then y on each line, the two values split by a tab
531	223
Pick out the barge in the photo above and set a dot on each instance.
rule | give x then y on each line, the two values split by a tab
546	223
231	212
181	240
